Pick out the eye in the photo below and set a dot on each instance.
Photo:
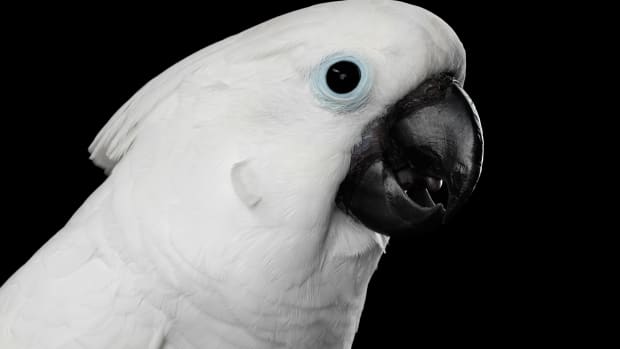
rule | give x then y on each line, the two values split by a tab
343	76
342	82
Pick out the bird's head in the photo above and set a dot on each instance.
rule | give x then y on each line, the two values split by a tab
363	102
242	155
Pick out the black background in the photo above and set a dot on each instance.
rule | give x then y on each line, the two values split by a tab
486	279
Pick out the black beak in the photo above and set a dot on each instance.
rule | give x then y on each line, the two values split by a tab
430	137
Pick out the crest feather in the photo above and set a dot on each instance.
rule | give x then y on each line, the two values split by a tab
119	133
116	137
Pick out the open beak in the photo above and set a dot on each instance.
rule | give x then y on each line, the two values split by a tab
429	141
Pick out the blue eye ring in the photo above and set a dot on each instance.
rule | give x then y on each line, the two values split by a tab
341	102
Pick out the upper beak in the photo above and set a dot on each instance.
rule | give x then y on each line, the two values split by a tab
430	137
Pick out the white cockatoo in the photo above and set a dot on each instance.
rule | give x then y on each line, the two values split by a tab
253	186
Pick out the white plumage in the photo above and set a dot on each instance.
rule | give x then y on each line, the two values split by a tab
217	226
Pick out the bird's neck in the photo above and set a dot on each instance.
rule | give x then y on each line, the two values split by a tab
235	304
321	311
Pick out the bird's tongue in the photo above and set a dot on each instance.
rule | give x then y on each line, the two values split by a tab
418	187
432	183
408	178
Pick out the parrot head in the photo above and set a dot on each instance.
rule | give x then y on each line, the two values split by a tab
267	156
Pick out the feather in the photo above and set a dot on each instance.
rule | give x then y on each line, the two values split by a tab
218	226
120	132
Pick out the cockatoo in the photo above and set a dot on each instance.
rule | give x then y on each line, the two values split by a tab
253	187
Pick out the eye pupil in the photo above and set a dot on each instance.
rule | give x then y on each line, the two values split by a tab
343	76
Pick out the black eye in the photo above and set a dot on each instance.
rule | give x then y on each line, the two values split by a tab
343	77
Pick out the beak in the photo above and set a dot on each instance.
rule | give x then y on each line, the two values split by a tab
431	138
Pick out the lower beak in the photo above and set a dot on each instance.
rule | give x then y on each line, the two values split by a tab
429	138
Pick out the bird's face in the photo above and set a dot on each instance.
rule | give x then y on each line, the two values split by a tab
370	100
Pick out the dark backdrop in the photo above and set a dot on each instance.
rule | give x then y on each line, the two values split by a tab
480	280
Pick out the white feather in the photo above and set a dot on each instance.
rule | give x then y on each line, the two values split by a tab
217	227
